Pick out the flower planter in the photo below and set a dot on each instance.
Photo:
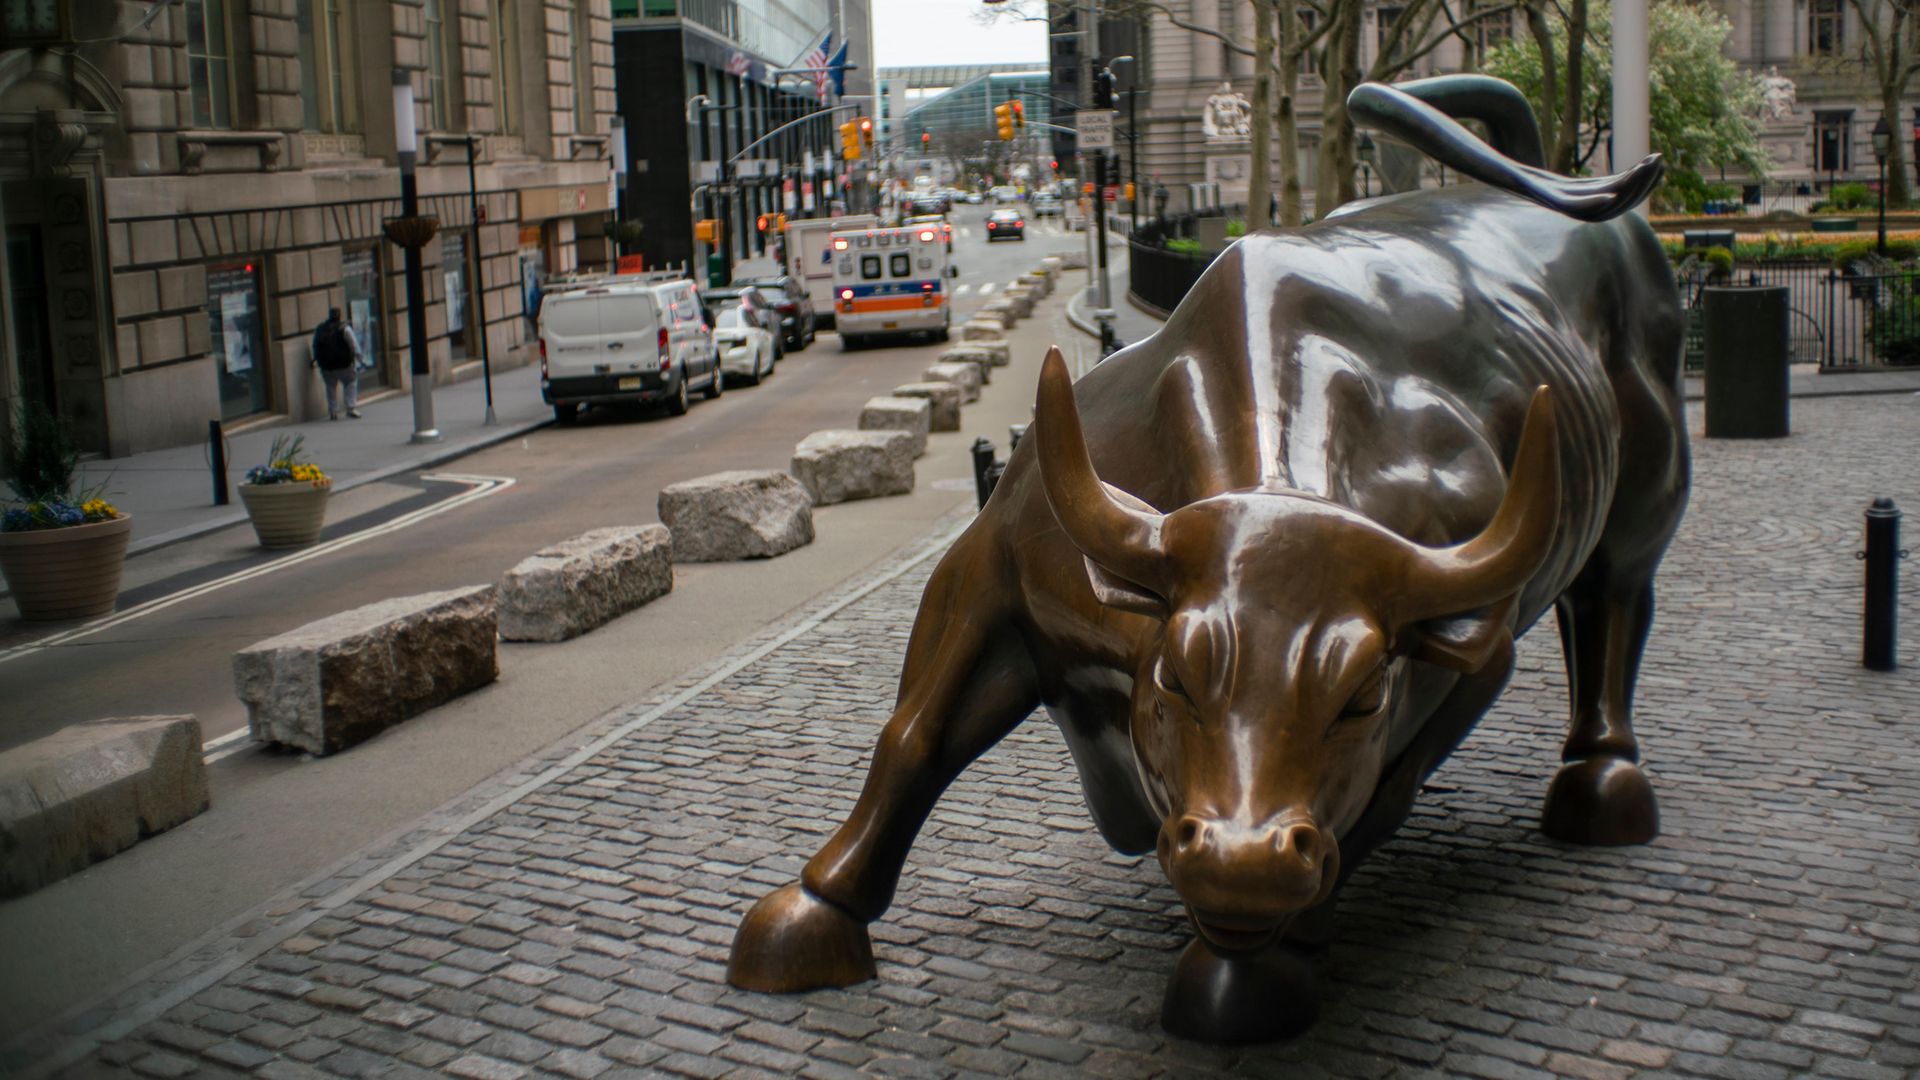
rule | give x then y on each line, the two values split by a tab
69	573
286	515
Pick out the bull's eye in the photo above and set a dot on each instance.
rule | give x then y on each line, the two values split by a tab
1168	684
1370	698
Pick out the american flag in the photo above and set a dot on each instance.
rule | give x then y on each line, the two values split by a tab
817	60
738	63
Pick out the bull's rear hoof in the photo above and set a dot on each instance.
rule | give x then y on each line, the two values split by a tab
792	940
1602	802
1230	1001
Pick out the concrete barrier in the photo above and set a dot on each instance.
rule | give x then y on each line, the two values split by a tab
346	678
90	791
943	398
569	588
909	414
966	375
982	326
740	514
840	466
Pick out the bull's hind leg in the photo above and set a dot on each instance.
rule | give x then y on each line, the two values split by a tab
967	682
1600	796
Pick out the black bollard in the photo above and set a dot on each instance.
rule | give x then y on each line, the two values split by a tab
1014	431
217	461
994	472
982	462
1882	557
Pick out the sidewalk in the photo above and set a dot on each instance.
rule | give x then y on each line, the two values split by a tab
170	492
1133	325
572	917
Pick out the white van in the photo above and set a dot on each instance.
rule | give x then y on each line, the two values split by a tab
615	343
890	281
810	258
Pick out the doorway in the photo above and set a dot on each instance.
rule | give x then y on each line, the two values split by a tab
32	331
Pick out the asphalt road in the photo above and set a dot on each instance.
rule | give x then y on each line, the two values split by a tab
278	819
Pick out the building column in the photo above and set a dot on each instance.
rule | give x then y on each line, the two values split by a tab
1630	95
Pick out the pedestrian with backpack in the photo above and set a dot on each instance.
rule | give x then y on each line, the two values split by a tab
336	352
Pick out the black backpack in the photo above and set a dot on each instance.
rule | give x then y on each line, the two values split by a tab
331	350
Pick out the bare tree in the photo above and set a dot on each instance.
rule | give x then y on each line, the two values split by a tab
1891	47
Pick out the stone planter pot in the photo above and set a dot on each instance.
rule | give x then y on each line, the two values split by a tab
71	573
286	515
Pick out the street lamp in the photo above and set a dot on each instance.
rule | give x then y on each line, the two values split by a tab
1366	151
1882	147
412	232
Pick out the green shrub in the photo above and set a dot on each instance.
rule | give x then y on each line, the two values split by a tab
1850	197
1184	245
1893	324
1719	263
41	461
1236	227
1854	250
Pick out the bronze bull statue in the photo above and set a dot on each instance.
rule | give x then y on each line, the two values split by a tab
1265	569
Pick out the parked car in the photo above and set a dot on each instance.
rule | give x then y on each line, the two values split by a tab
1047	206
974	198
746	349
622	344
794	306
937	221
1006	225
759	308
1005	194
926	204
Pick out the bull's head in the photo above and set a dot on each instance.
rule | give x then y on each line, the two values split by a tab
1284	622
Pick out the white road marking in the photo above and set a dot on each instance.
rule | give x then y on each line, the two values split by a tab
961	290
988	287
479	488
966	231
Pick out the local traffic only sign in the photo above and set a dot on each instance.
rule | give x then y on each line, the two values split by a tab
1096	129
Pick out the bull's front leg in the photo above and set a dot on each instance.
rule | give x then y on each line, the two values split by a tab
967	682
1600	795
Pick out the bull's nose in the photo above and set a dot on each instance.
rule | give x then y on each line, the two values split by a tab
1265	872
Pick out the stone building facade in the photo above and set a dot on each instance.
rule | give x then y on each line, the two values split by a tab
184	198
1822	135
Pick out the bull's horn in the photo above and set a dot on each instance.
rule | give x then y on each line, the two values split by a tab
1116	533
1496	563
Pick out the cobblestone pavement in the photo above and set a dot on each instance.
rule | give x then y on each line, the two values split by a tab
574	919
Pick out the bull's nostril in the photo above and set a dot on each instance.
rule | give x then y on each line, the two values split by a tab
1301	841
1188	834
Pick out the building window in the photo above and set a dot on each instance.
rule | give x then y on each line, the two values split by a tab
581	29
360	282
1832	141
455	271
210	63
1309	65
440	96
1826	27
1383	19
327	93
506	67
1488	32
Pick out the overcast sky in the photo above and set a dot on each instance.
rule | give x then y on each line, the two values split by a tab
912	32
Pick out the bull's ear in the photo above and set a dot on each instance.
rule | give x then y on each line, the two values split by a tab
1464	643
1117	592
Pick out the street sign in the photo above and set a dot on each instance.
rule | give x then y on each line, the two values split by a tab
1096	129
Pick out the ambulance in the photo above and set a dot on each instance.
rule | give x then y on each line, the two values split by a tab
890	280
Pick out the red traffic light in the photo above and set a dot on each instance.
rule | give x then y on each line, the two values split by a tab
866	124
926	137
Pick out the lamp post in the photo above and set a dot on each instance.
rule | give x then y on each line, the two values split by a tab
477	292
1882	147
1366	152
412	232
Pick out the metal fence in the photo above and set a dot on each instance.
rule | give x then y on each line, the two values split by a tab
1840	319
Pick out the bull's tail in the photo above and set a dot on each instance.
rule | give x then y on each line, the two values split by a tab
1422	114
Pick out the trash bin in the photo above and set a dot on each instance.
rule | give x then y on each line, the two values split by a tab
1746	331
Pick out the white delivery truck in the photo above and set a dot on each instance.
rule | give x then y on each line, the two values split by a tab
890	280
810	260
609	343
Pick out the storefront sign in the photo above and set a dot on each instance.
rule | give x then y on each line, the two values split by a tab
567	201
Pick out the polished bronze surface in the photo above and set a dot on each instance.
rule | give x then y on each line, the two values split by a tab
1264	570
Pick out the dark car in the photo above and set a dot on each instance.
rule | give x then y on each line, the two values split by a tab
759	307
794	306
928	204
1006	225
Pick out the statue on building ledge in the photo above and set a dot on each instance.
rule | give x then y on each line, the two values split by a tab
1227	117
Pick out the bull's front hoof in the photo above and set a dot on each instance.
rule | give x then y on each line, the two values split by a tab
792	941
1261	997
1601	802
